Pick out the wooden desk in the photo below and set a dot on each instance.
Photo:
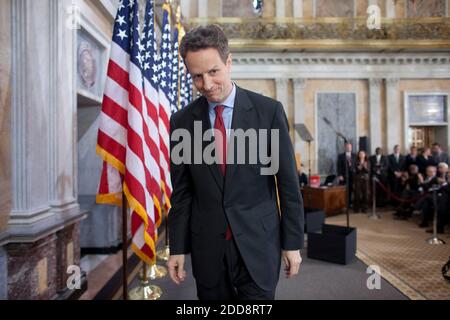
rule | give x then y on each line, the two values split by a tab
330	199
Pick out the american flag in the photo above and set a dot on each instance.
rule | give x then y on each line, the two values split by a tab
126	129
165	104
175	70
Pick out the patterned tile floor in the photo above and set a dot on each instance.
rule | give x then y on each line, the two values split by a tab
399	248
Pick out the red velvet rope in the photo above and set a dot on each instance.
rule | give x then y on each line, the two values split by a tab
393	195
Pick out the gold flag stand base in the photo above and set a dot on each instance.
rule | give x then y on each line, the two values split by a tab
154	272
145	291
164	254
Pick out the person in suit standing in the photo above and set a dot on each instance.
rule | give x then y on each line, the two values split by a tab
379	169
439	156
225	214
396	164
346	161
411	158
361	180
425	160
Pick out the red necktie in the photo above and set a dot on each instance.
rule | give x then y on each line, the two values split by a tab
221	148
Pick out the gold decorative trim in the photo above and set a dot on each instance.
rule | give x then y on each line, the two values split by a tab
335	44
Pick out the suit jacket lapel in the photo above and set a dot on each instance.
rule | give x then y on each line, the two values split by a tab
201	114
241	114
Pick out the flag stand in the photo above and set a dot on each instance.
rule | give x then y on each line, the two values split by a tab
145	291
164	253
124	246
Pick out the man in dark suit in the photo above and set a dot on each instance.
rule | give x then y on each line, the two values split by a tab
411	158
225	214
439	155
396	164
379	169
346	161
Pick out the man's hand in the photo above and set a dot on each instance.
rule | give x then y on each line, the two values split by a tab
292	261
176	268
341	178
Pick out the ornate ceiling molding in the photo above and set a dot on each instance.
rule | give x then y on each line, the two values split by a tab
332	33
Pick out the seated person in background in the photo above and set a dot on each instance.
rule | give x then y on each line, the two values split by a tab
379	169
426	205
361	183
411	183
302	177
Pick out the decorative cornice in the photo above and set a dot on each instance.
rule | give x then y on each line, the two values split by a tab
326	29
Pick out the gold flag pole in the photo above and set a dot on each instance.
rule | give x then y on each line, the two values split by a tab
145	291
124	247
164	253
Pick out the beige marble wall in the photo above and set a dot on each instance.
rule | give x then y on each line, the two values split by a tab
265	86
214	8
360	87
308	8
333	8
425	85
400	9
289	11
269	9
425	8
361	7
237	8
5	113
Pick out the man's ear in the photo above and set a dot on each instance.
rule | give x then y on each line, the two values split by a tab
229	60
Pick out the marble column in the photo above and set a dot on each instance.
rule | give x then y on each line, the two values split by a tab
202	8
185	6
280	8
30	111
394	114
297	6
62	111
390	8
43	147
375	116
3	274
299	115
5	113
282	93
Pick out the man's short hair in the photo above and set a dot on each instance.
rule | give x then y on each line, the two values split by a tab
436	145
205	37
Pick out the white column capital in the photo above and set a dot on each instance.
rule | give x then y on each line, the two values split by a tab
392	82
299	83
375	82
281	82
